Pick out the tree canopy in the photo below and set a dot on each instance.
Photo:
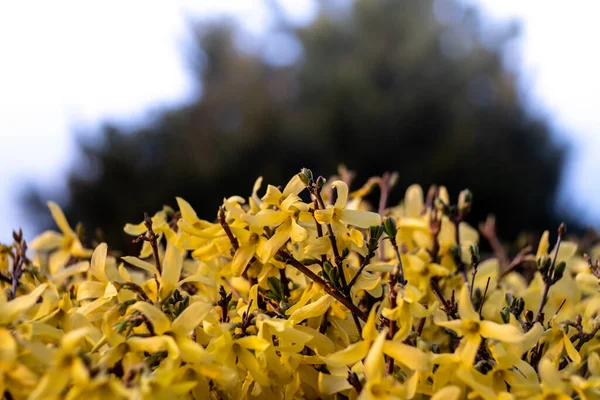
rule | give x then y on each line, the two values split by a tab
381	85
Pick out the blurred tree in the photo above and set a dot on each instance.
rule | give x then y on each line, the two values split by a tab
413	86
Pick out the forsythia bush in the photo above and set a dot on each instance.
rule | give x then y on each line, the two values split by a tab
300	293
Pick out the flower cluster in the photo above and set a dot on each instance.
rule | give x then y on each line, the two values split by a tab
300	292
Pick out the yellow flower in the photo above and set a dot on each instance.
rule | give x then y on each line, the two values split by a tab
339	216
62	245
472	328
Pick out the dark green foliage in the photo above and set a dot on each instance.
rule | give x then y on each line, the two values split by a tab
374	90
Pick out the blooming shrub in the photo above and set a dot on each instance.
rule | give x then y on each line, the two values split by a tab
300	293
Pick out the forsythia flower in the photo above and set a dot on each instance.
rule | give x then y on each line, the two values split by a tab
294	295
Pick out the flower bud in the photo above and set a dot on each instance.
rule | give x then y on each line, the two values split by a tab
320	182
306	176
389	226
465	199
505	314
475	257
559	270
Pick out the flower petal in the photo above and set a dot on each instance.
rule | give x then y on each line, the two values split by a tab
503	332
350	355
342	194
98	262
60	219
361	219
465	306
410	356
241	258
154	344
299	234
267	250
47	241
190	318
265	218
160	322
374	361
311	310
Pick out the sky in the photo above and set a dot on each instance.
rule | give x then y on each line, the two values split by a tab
68	63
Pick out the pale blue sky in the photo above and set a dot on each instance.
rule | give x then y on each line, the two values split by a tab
68	63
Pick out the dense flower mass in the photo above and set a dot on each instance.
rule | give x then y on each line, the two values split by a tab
300	292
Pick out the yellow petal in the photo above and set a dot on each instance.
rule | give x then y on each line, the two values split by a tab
60	219
251	363
331	384
192	352
47	241
135	229
465	306
503	332
447	393
242	257
8	349
136	262
410	356
190	318
157	318
324	216
294	186
370	332
272	196
98	261
187	212
90	290
154	344
350	355
265	218
313	309
374	362
253	343
413	201
342	194
544	245
361	219
571	351
298	233
171	268
276	242
11	310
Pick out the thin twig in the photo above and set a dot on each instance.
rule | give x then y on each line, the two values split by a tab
548	281
20	257
319	281
223	221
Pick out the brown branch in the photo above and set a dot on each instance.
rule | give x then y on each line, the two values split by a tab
333	292
234	242
151	237
339	262
488	231
548	280
19	258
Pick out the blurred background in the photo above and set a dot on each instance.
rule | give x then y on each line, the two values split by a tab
113	108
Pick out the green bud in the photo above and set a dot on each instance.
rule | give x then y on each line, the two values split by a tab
505	314
475	257
375	232
284	306
465	199
544	264
456	252
306	176
389	226
327	268
520	305
320	182
559	270
334	276
509	298
276	287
